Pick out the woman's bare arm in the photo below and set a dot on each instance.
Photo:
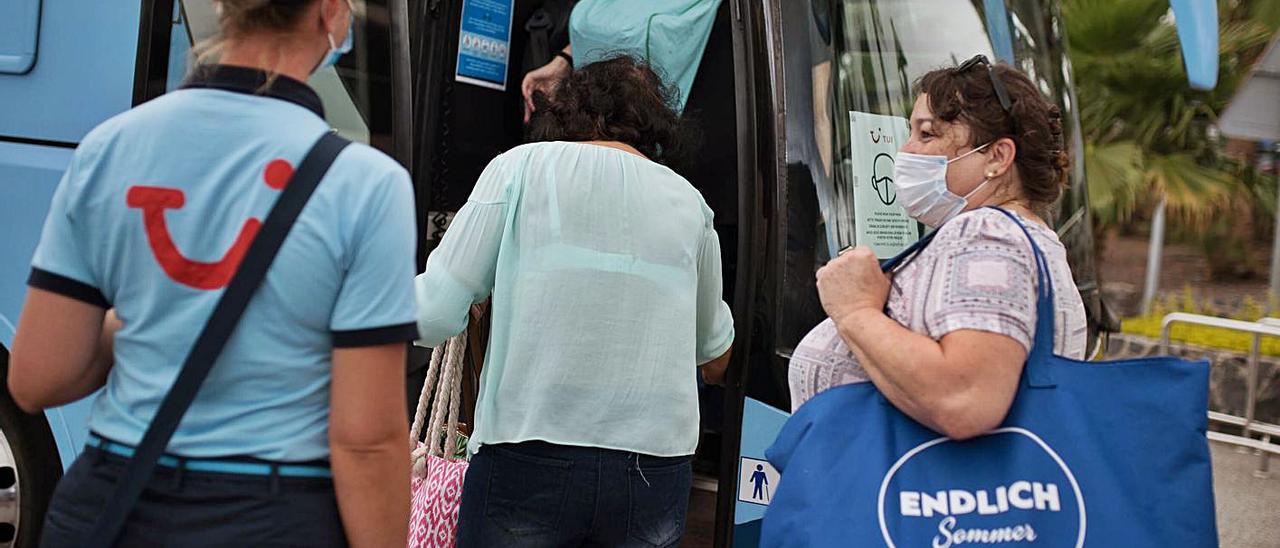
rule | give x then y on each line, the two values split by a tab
62	350
961	386
369	443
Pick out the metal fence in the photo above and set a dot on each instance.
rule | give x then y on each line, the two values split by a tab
1254	436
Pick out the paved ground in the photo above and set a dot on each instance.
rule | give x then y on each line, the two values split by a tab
1248	507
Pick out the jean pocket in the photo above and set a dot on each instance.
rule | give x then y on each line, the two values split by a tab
526	493
659	501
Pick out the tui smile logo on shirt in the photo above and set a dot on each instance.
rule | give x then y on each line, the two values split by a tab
155	200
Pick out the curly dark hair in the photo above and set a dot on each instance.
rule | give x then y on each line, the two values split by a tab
617	99
970	97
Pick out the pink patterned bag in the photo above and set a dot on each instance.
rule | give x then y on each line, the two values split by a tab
437	477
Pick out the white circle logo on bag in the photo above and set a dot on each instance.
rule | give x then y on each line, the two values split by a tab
944	493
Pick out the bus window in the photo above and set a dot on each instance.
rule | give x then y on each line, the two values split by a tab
1045	61
179	49
356	93
849	58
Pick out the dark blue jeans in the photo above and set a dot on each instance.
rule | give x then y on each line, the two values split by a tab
537	494
190	508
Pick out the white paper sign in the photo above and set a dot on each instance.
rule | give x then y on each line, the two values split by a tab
879	220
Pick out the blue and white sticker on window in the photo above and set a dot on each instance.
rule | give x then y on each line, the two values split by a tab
758	481
484	43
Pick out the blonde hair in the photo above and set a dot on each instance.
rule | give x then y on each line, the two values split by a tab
237	18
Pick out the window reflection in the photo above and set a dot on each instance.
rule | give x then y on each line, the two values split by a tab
864	56
356	93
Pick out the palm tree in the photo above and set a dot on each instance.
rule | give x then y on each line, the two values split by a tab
1148	137
1146	130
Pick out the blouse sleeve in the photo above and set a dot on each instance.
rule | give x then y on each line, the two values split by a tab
984	279
715	320
461	271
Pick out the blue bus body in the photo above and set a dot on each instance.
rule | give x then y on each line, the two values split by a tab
83	73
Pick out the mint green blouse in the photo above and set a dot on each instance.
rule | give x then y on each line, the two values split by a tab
605	274
670	34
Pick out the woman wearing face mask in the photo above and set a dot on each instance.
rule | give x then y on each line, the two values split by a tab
944	337
298	435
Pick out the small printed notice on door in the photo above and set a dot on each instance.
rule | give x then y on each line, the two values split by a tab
879	220
484	43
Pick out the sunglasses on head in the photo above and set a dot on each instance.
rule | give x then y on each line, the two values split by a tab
1002	93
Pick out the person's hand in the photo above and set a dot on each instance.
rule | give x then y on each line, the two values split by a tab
852	282
478	310
111	322
544	79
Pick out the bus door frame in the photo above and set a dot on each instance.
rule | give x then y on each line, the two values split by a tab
753	67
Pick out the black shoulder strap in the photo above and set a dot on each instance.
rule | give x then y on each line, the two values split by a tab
214	336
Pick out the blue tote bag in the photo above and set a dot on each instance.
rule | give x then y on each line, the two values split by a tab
1109	454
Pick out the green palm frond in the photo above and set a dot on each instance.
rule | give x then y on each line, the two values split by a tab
1146	129
1266	13
1110	25
1193	191
1117	180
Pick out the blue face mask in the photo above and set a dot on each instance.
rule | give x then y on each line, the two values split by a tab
337	51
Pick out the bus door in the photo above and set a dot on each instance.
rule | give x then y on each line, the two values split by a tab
469	109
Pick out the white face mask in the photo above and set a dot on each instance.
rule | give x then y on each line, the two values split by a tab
336	51
921	180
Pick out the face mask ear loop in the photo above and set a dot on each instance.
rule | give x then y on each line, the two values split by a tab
988	143
329	34
975	190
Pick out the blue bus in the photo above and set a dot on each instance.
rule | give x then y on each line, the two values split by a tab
782	85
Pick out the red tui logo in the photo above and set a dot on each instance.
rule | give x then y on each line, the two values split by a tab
154	200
